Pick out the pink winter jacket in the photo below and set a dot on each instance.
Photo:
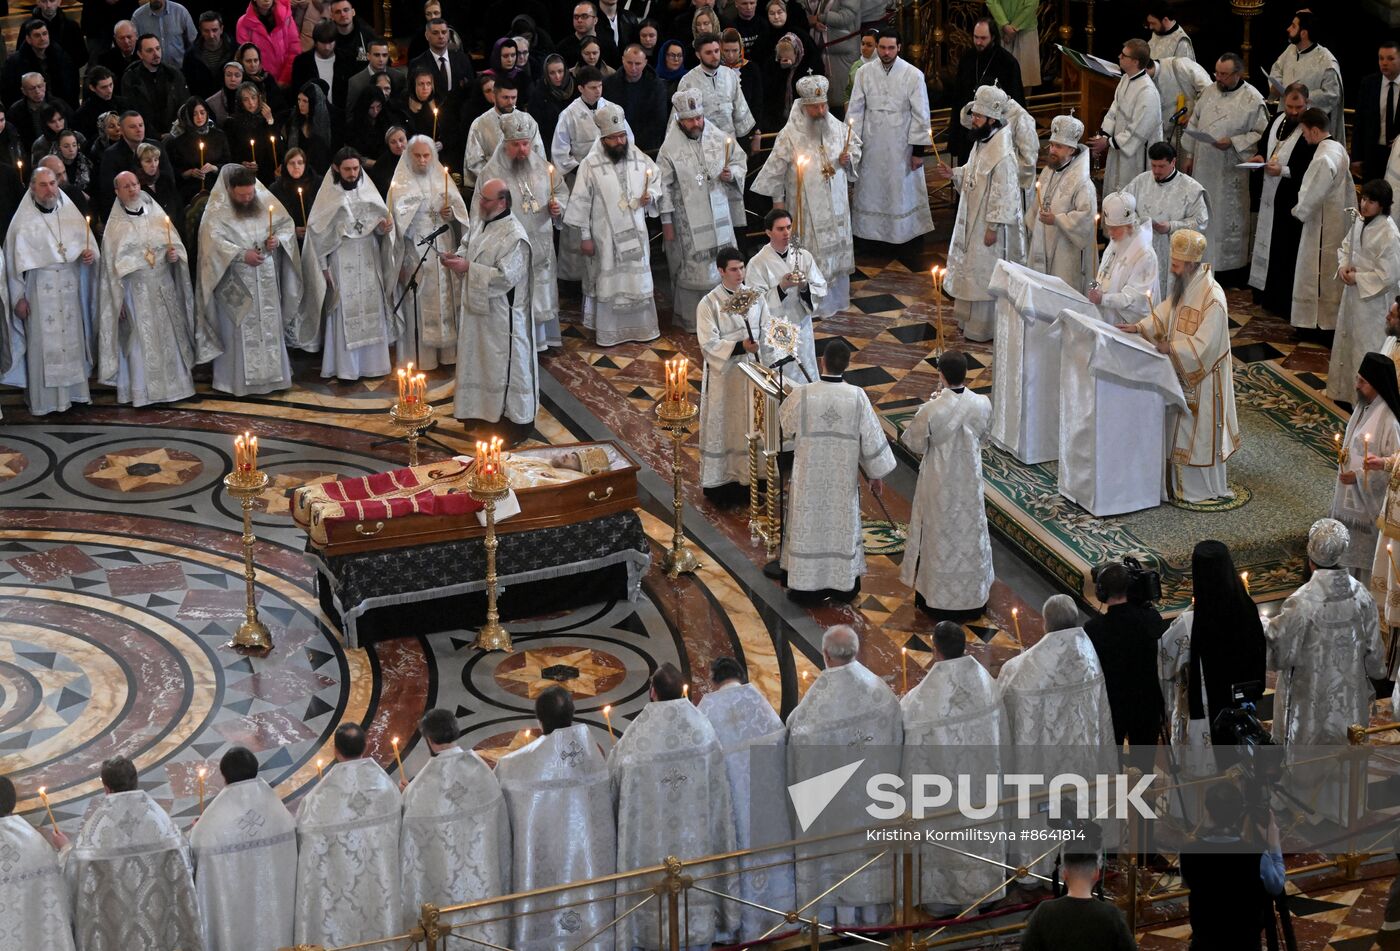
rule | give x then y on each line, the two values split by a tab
279	49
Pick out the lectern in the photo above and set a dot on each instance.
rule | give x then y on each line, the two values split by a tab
1115	391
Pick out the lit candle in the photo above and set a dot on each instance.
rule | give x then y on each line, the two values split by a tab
422	394
200	773
727	142
797	208
320	764
20	166
550	166
685	691
253	453
397	759
1244	577
238	454
446	181
273	140
607	718
87	234
402	394
44	796
1016	622
201	156
252	150
904	670
167	230
435	118
301	200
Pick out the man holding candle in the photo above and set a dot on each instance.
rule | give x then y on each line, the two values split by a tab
50	264
702	173
34	904
245	835
1125	285
422	198
1063	242
794	285
1358	498
348	266
148	338
249	284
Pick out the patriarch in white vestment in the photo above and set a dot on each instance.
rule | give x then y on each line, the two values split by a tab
51	268
702	173
34	907
672	796
1368	265
1285	156
813	162
616	190
249	284
129	872
1326	200
245	861
1180	82
754	741
497	366
848	714
954	725
1169	38
1169	200
1192	327
1230	112
574	137
455	842
1133	121
1374	427
1306	62
888	110
1325	644
989	226
836	437
538	197
148	338
559	797
1125	286
789	278
486	130
1063	241
948	558
351	270
348	872
422	199
731	327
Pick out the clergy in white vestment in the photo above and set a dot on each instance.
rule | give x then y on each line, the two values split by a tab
701	171
1326	201
808	173
837	437
574	136
754	741
559	797
421	200
1192	327
1056	705
51	267
1063	241
128	871
1368	265
348	872
1325	644
954	725
1133	121
148	340
731	327
1169	38
1285	156
1374	426
1025	139
455	843
34	907
1170	201
244	847
989	226
1392	175
249	284
671	793
1303	61
948	558
497	367
350	271
889	111
1180	82
1231	112
616	190
789	278
1125	286
538	196
725	104
484	134
848	714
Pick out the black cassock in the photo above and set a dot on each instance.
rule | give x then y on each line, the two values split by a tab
1286	234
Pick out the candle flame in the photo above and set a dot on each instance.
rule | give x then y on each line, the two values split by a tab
201	772
42	790
395	741
1015	611
608	708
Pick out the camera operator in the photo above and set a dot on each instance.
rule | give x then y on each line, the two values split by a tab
1126	638
1078	920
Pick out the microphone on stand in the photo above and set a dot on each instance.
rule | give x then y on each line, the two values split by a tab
428	238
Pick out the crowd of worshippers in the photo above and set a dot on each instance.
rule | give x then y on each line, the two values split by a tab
367	849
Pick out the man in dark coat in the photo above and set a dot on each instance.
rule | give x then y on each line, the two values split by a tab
1125	637
642	97
36	52
986	64
154	89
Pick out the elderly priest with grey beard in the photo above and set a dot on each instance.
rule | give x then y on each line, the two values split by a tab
51	268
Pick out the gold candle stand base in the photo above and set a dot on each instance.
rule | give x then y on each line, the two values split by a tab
675	417
490	489
252	635
412	421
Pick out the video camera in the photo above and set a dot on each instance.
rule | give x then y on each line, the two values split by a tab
1144	584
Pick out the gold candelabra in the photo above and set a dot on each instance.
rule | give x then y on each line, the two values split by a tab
765	520
489	483
676	412
1246	10
412	412
245	483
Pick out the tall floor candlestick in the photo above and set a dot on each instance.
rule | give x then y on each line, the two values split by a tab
489	484
675	414
246	483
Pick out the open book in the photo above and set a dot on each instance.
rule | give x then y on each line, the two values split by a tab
1090	62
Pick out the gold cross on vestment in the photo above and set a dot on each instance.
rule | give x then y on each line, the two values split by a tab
150	257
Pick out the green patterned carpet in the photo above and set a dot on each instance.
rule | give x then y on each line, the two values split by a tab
1285	466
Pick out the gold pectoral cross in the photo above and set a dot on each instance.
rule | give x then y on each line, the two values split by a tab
150	257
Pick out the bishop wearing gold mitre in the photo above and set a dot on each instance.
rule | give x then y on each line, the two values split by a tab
1192	328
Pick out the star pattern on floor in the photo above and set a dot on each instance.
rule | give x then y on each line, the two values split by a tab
597	672
141	468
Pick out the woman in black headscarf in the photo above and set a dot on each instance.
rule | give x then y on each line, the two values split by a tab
296	187
308	125
550	97
249	131
194	127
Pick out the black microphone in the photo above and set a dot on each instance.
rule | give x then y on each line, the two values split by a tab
1177	115
424	240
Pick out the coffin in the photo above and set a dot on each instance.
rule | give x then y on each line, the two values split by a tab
554	485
